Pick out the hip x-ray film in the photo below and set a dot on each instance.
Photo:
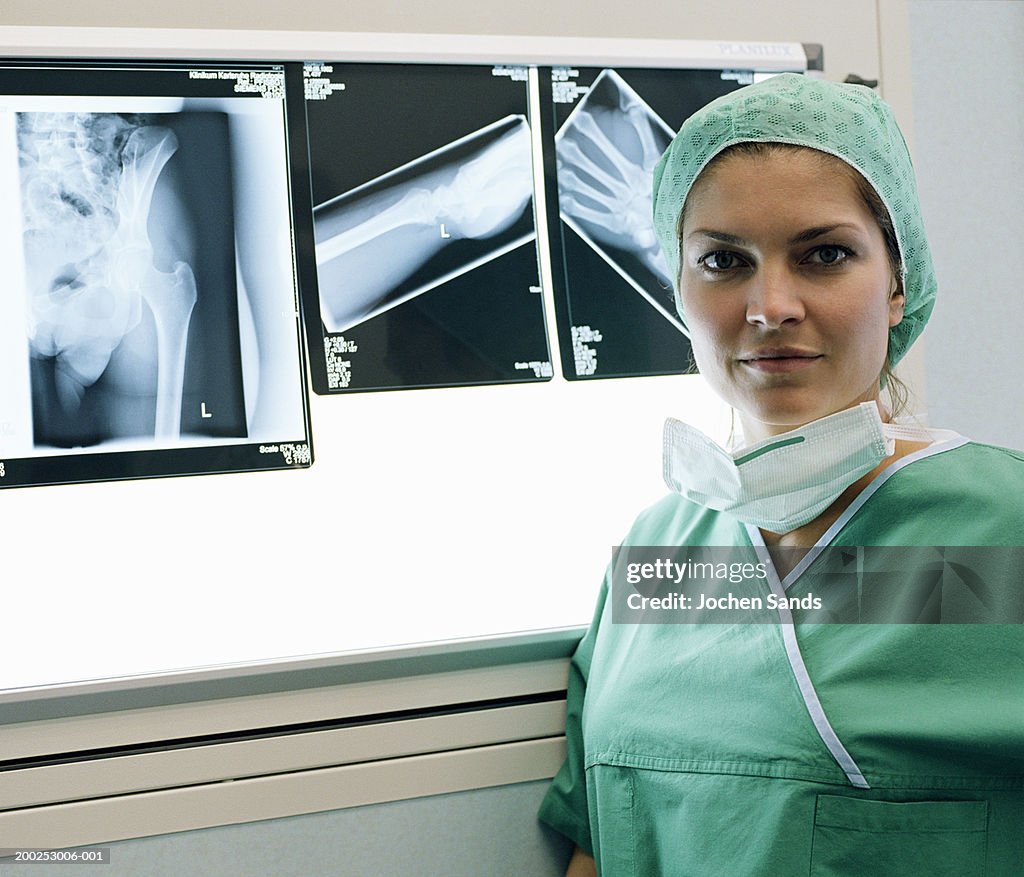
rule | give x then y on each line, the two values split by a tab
424	224
150	318
613	296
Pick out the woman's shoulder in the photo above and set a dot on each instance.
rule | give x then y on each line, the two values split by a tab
972	464
994	453
972	493
675	520
1008	456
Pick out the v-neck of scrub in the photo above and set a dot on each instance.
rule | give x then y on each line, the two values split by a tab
942	440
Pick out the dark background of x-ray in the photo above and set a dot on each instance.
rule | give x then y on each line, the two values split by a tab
636	339
473	328
213	368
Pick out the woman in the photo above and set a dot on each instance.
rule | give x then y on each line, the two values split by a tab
789	216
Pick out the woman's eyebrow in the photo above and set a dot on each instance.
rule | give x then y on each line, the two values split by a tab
818	231
802	237
722	236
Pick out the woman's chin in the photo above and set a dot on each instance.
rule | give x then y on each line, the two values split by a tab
760	421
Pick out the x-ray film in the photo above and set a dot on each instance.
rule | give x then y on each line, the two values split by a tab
613	295
150	299
424	225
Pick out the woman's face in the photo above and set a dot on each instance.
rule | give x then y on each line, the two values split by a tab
787	288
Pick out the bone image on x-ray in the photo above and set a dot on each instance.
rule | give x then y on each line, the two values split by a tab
605	153
87	185
374	243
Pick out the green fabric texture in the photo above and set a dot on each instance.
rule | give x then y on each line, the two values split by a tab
938	838
848	121
691	750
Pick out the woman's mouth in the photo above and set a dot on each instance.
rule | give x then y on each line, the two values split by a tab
778	360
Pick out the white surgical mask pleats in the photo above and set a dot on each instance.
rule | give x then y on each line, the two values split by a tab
782	482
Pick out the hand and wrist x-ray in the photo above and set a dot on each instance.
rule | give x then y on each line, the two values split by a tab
606	152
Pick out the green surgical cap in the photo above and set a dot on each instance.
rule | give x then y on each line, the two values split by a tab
848	121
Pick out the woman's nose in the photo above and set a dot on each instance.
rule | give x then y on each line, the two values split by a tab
774	298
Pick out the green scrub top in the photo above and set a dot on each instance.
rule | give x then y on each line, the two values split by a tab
772	749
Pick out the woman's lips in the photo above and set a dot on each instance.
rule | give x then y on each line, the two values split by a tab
781	360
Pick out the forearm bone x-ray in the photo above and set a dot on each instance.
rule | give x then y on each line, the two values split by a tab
371	241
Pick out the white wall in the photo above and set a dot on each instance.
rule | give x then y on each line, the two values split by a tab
967	57
848	27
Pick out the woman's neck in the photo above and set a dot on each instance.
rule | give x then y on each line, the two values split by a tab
786	549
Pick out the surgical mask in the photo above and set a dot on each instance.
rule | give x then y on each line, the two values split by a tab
787	480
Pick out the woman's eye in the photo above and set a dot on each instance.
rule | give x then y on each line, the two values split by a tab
829	255
721	260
